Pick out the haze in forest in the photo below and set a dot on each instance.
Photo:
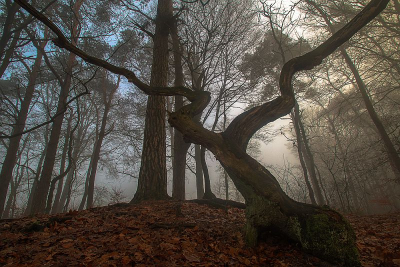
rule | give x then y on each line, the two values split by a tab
289	107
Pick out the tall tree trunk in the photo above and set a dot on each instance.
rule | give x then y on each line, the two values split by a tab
85	192
226	177
350	176
63	162
62	168
152	183
10	201
8	24
319	230
300	152
12	150
9	53
99	142
63	171
391	152
309	160
180	147
208	194
199	172
393	155
40	196
68	181
37	175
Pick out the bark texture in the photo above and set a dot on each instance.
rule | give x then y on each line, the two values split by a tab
180	147
319	230
152	182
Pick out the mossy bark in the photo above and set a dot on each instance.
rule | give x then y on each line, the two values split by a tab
324	233
321	231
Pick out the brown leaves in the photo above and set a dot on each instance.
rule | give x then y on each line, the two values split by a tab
153	234
378	239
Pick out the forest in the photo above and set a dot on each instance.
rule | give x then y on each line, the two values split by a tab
116	102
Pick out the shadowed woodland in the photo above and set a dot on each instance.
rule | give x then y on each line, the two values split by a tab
96	95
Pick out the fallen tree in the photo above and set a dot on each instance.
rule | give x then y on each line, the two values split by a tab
320	230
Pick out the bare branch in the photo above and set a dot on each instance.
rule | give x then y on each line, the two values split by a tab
244	126
199	99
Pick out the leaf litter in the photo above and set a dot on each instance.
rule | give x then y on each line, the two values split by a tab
172	233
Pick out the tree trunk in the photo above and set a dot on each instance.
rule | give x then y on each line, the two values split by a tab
208	194
62	169
68	146
199	172
68	181
6	36
9	53
12	150
350	177
99	142
85	192
63	162
309	159
152	183
319	230
37	175
40	196
10	201
300	152
226	177
180	147
393	156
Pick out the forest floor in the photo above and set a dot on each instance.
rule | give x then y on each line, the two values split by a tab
169	233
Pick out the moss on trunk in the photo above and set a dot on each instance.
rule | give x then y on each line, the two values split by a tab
322	232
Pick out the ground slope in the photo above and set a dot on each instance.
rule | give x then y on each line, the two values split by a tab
170	233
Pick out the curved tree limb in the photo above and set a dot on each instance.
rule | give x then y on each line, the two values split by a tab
319	230
241	129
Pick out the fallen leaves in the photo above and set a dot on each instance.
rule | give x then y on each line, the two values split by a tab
154	234
378	239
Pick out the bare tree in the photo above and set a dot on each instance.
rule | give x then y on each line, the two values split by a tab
12	150
319	230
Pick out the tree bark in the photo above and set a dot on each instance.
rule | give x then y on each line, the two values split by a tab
9	53
99	142
68	181
37	175
309	160
40	196
199	172
6	36
63	162
152	183
12	150
319	230
208	194
300	152
180	147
